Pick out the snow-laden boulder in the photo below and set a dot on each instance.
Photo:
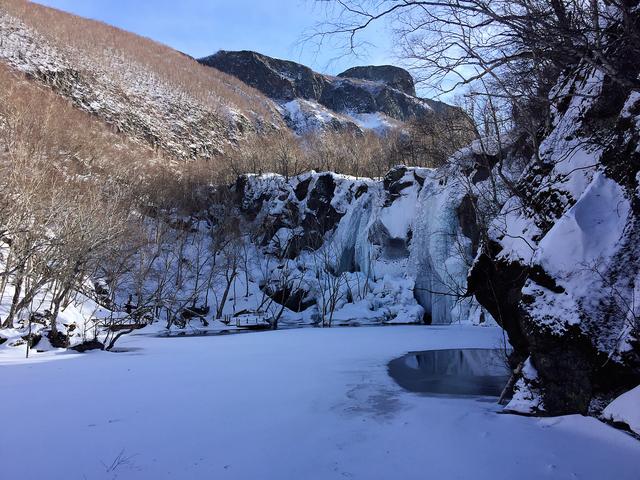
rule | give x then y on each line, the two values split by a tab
625	409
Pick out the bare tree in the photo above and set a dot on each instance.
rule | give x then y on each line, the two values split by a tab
456	42
331	283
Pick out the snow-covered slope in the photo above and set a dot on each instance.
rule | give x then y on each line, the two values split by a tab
306	116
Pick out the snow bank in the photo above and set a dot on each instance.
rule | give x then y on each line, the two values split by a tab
625	409
306	116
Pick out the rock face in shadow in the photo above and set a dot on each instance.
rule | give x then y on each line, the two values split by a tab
279	79
294	298
361	90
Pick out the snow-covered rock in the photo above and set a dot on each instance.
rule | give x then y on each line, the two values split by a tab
526	393
399	242
306	116
561	267
625	409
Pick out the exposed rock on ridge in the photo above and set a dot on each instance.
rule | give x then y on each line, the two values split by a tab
360	91
395	77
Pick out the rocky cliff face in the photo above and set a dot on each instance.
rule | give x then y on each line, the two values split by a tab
561	270
281	79
351	98
402	237
394	77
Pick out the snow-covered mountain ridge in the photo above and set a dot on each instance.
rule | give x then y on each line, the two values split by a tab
378	98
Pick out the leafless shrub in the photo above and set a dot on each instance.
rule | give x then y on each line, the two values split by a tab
332	286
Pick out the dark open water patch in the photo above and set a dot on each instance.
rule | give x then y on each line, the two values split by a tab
466	372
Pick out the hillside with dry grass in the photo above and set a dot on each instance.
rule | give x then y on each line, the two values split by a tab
178	109
148	91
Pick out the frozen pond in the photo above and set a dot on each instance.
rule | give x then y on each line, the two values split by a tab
470	371
307	403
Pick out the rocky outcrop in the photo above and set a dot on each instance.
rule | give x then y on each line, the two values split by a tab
561	270
394	77
279	79
401	235
361	91
294	215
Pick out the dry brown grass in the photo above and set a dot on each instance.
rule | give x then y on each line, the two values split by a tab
45	125
114	48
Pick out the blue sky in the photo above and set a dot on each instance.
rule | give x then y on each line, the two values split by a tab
202	27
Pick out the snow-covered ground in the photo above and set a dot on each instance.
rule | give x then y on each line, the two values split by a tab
294	404
307	116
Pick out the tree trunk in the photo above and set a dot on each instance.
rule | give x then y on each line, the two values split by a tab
224	297
8	323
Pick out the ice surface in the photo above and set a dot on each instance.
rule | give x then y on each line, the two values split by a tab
310	403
